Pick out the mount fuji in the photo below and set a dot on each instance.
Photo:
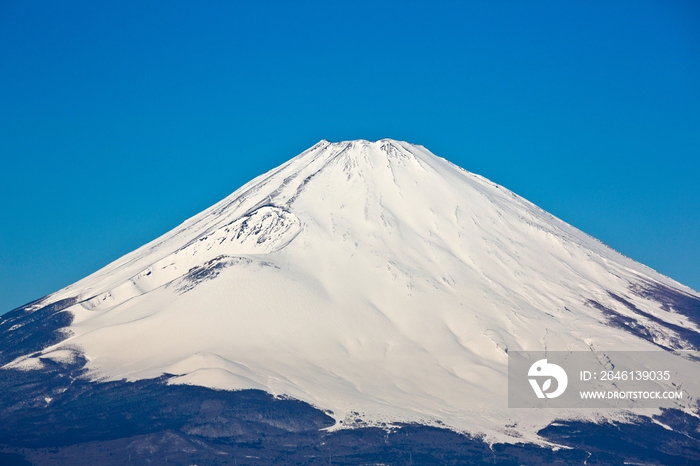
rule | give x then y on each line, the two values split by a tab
360	289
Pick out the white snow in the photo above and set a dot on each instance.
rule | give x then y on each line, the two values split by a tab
368	277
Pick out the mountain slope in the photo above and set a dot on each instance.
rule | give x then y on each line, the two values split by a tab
370	279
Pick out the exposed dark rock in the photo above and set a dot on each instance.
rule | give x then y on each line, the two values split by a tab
208	271
670	299
686	336
617	320
26	330
54	416
640	442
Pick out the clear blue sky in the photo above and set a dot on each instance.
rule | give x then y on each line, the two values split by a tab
119	120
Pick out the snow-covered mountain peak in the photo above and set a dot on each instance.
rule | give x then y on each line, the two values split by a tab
372	278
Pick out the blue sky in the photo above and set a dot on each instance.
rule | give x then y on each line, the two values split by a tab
119	120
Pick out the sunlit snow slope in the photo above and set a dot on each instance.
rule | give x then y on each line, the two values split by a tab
371	279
